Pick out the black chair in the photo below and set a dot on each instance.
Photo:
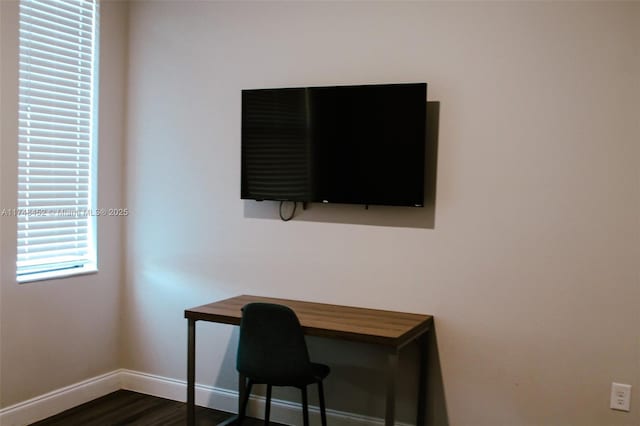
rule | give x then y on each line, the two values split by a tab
272	351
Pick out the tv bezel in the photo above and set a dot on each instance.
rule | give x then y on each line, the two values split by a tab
245	196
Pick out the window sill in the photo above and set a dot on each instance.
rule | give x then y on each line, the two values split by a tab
54	275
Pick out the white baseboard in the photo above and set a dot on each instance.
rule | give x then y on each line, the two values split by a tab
55	402
285	412
51	403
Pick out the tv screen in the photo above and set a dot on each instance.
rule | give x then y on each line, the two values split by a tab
342	144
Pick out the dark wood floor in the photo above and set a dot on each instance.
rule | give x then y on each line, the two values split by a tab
131	408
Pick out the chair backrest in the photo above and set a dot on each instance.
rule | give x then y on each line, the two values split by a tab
272	348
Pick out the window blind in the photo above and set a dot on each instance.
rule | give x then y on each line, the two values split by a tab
57	127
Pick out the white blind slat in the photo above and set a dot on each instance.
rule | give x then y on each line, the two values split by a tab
34	8
56	150
53	38
53	118
55	177
43	187
43	54
59	26
70	10
57	156
49	109
73	78
44	149
61	251
48	223
38	209
58	83
69	35
55	48
53	64
43	138
53	264
28	98
31	131
68	240
54	125
61	230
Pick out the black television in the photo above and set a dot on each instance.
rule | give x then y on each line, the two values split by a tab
341	144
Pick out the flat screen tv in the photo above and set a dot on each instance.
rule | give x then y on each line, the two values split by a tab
342	144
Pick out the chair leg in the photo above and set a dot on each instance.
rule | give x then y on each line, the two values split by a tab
305	406
267	408
245	401
323	413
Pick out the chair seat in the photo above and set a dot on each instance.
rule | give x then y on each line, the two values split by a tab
320	371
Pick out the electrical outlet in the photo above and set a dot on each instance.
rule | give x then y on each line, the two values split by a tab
620	396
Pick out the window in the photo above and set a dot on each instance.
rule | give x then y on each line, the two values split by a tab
57	143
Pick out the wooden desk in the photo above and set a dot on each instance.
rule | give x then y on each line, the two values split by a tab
392	330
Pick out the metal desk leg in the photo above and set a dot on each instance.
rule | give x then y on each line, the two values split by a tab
422	378
392	368
191	373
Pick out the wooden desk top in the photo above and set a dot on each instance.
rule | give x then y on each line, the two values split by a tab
319	319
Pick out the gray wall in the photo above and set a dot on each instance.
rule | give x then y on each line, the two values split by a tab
531	268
